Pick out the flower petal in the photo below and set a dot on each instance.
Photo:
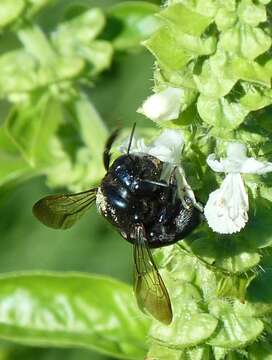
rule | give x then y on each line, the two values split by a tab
226	209
253	166
214	164
164	105
167	147
137	146
236	151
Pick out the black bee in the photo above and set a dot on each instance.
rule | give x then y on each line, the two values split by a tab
145	209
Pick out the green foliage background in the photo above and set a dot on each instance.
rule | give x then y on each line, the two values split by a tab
92	246
60	62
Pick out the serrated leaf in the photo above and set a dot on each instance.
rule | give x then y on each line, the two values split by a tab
31	127
190	326
160	352
221	113
245	41
130	23
164	46
193	44
255	97
185	20
232	286
72	309
230	254
10	10
234	329
206	8
225	18
179	78
250	71
251	13
214	79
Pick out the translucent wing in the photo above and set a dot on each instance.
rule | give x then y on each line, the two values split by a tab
151	293
62	211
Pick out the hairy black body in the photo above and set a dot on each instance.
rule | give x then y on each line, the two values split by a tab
132	192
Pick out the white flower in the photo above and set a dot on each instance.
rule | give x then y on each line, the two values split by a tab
164	105
167	147
227	207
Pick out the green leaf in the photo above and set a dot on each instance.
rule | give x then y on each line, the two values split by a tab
260	350
98	54
203	7
165	47
21	72
251	13
10	10
221	113
259	295
233	286
235	329
13	165
219	353
250	71
162	353
226	17
78	148
16	72
256	97
48	66
185	20
31	126
245	41
92	128
37	44
257	233
196	45
72	309
130	23
214	79
81	30
190	326
230	254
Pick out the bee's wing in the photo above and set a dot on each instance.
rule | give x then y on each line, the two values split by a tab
151	293
62	211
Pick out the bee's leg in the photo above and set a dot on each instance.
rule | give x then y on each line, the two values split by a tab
173	185
185	190
107	149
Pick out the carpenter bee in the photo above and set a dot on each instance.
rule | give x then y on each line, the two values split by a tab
146	209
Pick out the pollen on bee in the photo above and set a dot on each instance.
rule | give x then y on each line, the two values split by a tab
101	201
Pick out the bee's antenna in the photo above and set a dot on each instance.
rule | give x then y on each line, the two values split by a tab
131	137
